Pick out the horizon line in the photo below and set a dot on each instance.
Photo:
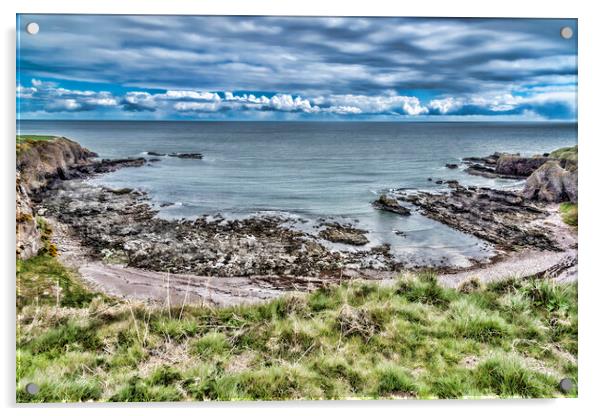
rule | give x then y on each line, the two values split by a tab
304	121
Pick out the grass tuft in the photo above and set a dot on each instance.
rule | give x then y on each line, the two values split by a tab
569	213
507	377
394	380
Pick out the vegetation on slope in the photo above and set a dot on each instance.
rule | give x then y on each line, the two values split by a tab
25	142
566	153
412	339
569	213
22	138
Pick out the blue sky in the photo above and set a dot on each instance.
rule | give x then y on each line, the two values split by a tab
284	68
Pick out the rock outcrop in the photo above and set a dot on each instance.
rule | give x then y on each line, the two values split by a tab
503	218
552	183
28	236
515	166
39	164
187	155
344	234
387	203
504	165
519	166
40	161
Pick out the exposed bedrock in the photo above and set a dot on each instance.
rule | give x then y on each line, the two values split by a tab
519	165
29	240
515	166
344	234
121	226
552	183
41	163
504	165
500	217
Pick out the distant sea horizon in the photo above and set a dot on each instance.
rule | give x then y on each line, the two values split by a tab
307	121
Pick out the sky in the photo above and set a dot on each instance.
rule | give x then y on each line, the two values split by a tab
295	68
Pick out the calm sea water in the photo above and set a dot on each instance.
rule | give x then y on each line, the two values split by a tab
311	170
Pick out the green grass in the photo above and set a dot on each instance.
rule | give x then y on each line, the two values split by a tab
569	213
26	142
33	138
414	339
567	153
42	279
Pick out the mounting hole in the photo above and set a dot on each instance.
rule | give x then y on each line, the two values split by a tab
566	385
566	32
32	28
32	388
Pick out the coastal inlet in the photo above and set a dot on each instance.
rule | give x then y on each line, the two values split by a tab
115	213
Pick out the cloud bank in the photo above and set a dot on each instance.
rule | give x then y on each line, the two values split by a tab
296	68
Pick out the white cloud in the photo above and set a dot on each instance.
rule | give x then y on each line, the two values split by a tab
531	101
25	92
51	98
195	95
445	105
374	104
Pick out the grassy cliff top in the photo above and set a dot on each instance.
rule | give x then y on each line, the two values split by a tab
25	142
23	138
566	153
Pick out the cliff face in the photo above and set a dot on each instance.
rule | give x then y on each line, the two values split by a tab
28	236
519	165
552	183
38	162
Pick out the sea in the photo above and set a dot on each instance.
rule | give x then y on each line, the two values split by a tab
308	172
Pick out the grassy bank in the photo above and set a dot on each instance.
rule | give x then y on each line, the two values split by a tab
566	153
413	339
25	142
569	213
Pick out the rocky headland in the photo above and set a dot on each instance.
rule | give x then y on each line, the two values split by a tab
524	224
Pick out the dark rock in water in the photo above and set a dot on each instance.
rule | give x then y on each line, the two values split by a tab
155	154
489	161
341	234
111	165
120	191
481	170
552	183
387	203
451	165
439	181
503	218
187	155
429	179
453	183
488	166
154	159
166	204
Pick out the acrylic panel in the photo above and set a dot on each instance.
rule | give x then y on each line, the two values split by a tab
284	208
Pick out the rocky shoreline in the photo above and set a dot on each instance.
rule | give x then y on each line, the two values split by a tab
119	230
121	226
